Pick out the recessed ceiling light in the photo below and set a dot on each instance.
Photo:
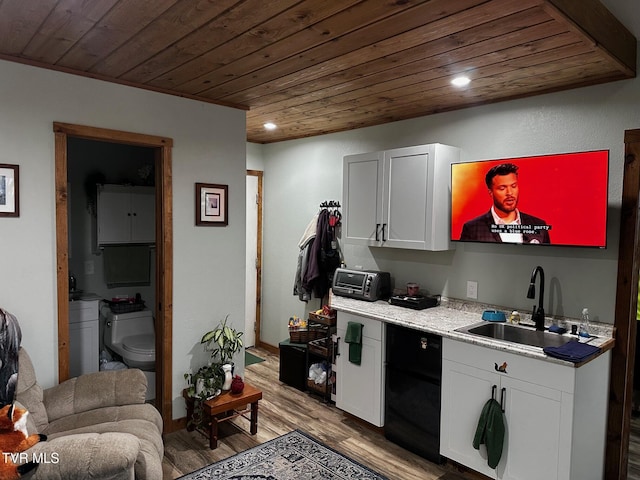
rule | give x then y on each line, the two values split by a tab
461	81
270	126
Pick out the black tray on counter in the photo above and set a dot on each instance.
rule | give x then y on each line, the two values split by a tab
416	302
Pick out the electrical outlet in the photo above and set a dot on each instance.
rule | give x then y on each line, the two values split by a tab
472	289
89	267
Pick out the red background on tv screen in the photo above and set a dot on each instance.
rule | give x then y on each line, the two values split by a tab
568	191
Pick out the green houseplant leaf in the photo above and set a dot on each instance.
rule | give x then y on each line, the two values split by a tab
223	342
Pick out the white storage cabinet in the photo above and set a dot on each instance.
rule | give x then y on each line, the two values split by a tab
83	337
126	214
360	388
555	415
399	198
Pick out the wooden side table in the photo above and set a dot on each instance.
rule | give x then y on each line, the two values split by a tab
224	407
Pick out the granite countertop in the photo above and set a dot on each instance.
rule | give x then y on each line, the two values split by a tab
453	314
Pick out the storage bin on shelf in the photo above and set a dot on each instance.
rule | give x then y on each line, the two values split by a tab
305	335
322	319
125	306
320	370
322	347
319	388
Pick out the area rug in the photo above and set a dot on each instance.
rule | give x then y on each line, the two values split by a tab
250	359
293	456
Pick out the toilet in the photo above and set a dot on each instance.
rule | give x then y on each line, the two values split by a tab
131	337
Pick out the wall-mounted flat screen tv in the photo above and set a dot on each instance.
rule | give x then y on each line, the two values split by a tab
543	200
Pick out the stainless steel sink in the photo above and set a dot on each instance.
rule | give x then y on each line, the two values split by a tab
516	334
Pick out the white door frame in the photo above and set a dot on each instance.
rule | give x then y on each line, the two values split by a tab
254	282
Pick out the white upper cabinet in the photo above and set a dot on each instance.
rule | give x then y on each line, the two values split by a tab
399	198
126	214
362	198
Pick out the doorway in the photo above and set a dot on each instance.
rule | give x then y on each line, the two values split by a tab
622	359
162	148
253	259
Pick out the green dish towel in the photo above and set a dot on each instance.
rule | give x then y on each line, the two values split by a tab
490	431
354	339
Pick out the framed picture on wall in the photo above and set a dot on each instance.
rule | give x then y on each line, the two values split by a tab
212	208
9	197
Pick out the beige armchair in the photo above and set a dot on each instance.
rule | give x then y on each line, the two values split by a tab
98	425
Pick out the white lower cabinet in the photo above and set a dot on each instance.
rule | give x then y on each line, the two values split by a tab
83	337
555	415
360	388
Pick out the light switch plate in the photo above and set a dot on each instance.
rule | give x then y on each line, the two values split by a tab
472	289
89	267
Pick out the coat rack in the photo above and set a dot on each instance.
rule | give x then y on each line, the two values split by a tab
330	204
335	217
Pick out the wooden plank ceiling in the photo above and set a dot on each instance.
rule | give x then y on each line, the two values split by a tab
318	66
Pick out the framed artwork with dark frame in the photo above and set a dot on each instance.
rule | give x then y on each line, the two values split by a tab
212	208
9	193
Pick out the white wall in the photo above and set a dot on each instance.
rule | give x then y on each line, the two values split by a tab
255	159
300	174
209	146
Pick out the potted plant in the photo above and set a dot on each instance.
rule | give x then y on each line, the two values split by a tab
206	382
222	343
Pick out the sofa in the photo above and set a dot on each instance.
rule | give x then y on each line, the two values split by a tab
97	425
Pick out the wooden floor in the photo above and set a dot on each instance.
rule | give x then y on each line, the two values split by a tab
284	409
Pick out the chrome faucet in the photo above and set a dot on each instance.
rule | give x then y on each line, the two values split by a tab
538	313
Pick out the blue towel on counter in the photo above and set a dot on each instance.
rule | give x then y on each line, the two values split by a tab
573	351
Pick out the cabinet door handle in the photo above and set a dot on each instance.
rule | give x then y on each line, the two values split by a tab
377	228
384	225
493	391
337	347
503	394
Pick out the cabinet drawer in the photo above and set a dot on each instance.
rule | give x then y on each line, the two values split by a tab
527	369
370	328
83	310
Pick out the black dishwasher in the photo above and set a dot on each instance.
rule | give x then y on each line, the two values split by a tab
412	390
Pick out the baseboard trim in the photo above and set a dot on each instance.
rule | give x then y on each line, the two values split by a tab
175	425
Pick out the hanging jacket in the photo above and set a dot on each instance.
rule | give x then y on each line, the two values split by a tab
305	243
490	431
324	258
303	257
312	276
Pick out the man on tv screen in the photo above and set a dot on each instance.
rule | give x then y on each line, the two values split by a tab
504	222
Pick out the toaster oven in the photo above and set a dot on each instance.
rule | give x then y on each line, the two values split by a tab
370	285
